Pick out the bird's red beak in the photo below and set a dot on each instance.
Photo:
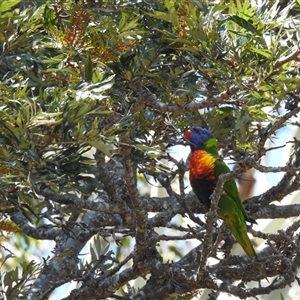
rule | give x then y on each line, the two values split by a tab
187	134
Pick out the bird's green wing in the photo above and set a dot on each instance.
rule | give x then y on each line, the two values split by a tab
230	187
234	218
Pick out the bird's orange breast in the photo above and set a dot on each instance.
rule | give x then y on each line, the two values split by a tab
202	165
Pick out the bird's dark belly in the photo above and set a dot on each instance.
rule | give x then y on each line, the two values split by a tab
203	188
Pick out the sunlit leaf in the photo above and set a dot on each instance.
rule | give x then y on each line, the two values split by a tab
243	23
6	5
101	147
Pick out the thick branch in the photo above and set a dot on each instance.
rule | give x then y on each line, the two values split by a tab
150	100
139	213
99	204
45	232
288	58
272	211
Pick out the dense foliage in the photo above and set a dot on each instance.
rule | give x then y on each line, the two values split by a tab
94	98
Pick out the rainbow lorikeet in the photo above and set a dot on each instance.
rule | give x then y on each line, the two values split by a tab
205	168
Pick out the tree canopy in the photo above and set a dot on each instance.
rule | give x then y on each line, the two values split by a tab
95	96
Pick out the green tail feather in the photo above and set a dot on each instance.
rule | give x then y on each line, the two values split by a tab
263	272
234	218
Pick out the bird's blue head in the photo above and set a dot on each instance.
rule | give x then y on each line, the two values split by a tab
198	137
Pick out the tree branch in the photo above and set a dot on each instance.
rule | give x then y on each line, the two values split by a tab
150	100
288	58
44	232
139	213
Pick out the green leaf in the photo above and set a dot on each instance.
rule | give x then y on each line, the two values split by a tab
94	254
243	23
6	5
88	69
6	257
97	243
44	118
49	18
264	52
170	17
100	86
129	25
99	145
103	252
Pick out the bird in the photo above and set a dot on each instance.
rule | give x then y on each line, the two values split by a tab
205	167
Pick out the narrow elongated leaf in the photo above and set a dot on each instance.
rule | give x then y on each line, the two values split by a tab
243	23
6	5
101	147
